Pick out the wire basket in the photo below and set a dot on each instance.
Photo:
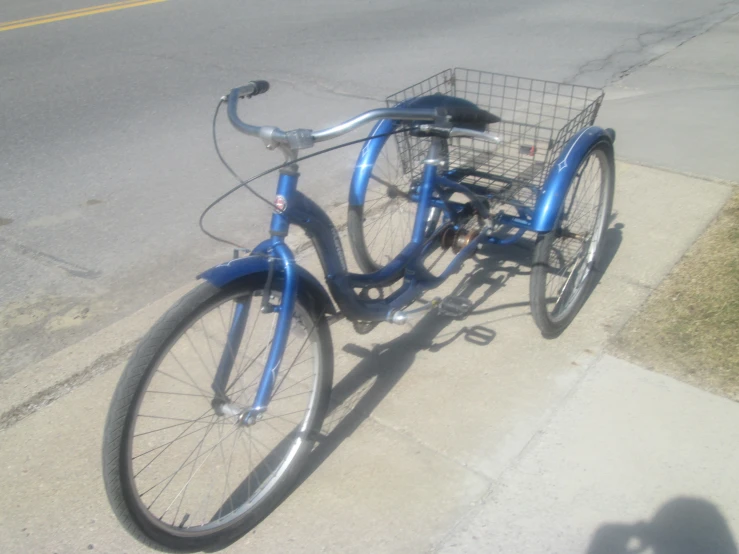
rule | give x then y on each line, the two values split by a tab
537	119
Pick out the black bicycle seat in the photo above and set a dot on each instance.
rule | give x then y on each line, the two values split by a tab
461	113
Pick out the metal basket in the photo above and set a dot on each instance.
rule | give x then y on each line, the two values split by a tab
537	119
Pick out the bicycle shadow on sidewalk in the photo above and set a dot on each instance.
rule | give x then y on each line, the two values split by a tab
380	369
684	525
612	240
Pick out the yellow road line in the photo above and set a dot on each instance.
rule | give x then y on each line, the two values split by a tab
72	14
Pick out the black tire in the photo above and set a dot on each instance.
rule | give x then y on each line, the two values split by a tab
126	432
380	228
562	272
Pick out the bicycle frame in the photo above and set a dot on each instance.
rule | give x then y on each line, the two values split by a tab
292	207
298	209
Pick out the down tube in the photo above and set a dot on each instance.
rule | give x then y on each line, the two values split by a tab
282	329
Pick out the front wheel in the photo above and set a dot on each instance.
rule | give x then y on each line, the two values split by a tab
566	259
181	471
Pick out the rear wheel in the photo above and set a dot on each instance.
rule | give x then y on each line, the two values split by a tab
566	259
381	227
180	471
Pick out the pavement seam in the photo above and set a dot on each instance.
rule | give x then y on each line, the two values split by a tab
50	260
632	282
51	394
712	180
533	442
409	436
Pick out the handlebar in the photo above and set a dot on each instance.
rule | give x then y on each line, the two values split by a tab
305	138
252	89
398	114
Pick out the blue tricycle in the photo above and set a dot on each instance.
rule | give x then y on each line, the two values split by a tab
224	398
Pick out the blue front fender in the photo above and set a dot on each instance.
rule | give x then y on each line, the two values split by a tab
558	182
224	274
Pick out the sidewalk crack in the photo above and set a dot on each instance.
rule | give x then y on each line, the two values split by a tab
643	43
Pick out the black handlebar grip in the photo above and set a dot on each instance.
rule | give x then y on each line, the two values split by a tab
252	89
259	87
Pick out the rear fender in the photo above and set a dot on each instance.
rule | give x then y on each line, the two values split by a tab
367	158
558	182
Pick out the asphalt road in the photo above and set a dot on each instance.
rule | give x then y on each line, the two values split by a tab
106	158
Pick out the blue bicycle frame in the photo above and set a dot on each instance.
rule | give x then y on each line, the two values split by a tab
274	257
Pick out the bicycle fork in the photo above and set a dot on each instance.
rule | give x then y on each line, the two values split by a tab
281	256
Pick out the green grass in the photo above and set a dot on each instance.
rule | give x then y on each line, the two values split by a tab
689	327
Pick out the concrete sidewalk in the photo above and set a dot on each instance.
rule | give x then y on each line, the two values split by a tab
431	428
628	444
461	436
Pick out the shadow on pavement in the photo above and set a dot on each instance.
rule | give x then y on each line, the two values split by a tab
683	525
355	397
611	243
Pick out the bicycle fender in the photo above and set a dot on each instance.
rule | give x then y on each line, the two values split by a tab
377	139
367	158
560	176
229	272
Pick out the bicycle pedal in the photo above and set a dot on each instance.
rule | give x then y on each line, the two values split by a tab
455	306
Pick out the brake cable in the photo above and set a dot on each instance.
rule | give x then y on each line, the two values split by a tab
246	182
